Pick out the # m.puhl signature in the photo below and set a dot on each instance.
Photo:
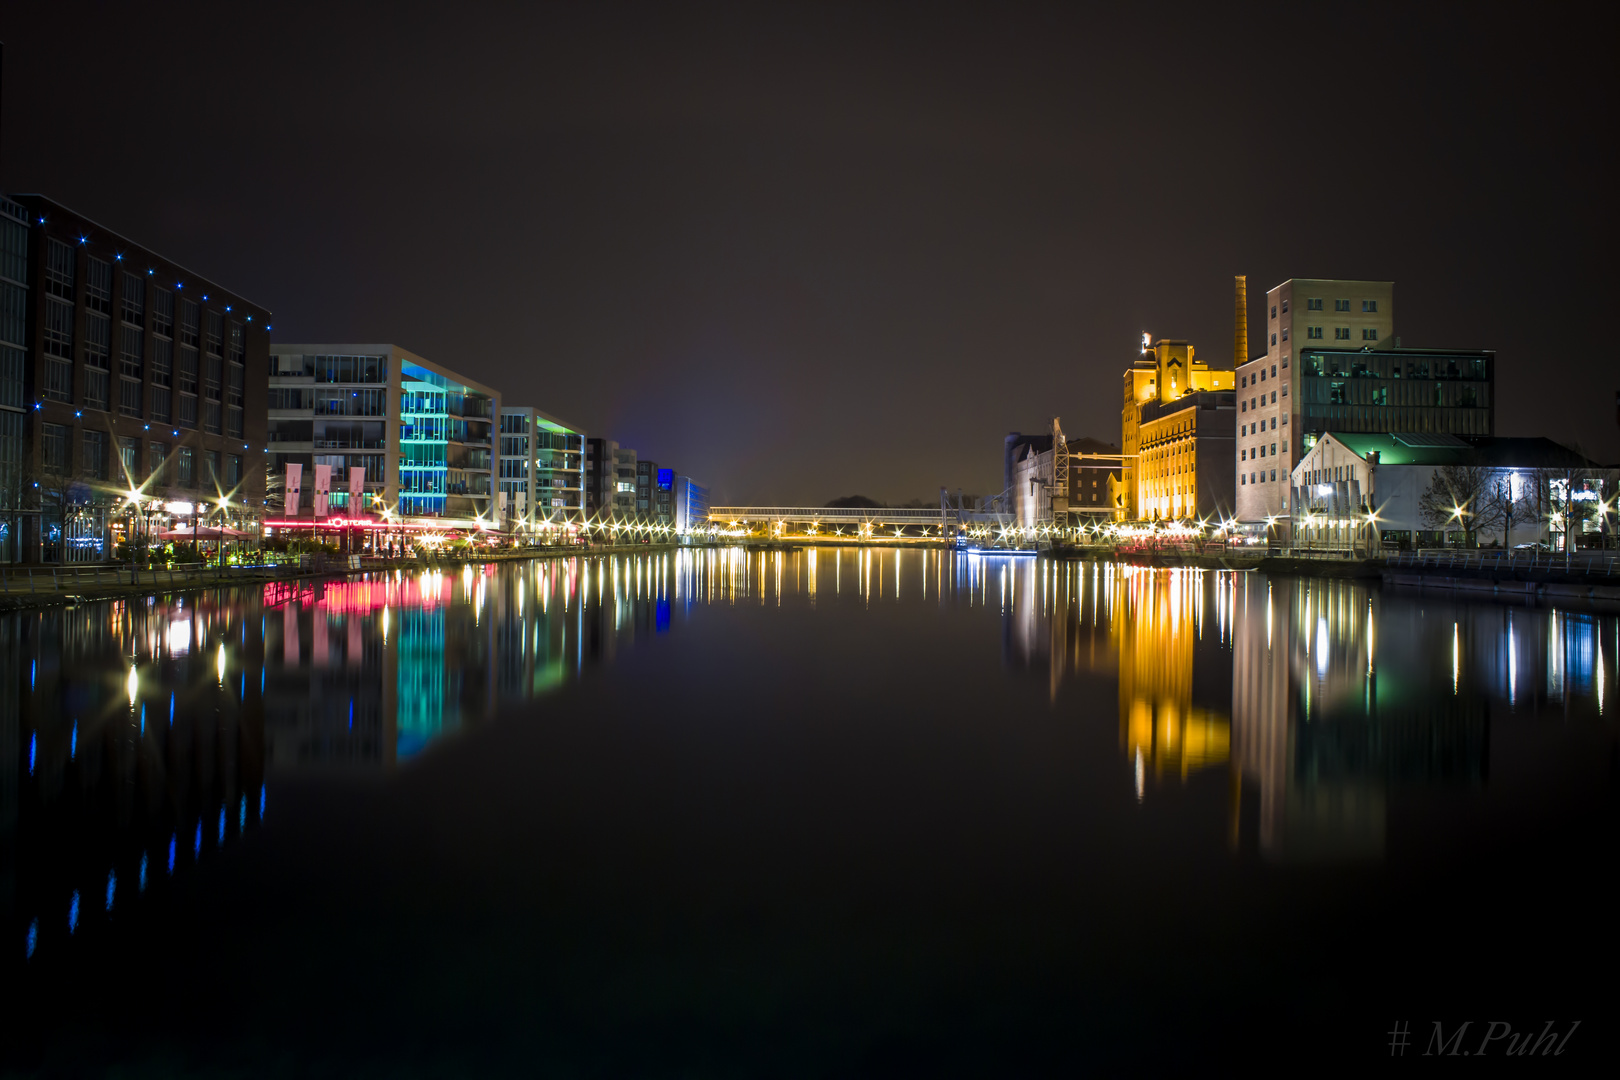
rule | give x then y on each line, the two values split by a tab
1499	1036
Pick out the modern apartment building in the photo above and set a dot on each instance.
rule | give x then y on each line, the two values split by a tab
542	468
624	482
423	436
1176	434
132	391
1333	363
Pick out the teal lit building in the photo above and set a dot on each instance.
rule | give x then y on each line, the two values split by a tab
542	470
423	436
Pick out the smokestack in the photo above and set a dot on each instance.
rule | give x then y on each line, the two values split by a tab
1240	326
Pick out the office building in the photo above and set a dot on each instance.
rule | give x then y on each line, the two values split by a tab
132	391
691	506
542	469
423	436
1333	363
1176	433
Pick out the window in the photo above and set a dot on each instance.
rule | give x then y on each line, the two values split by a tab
129	397
162	311
1313	304
188	323
59	380
236	341
59	270
1313	332
134	307
162	361
11	376
1273	454
1242	478
216	334
213	369
58	329
1380	396
98	285
1285	362
1243	406
233	386
1369	334
1285	307
1341	305
1285	333
1274	397
1273	311
1369	306
212	460
1336	393
188	370
1244	382
95	454
211	417
97	338
129	351
188	467
54	448
1274	474
188	411
1274	339
1341	333
156	454
95	388
1285	390
162	403
233	470
129	456
233	422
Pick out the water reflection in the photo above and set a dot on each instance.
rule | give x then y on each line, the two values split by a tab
143	736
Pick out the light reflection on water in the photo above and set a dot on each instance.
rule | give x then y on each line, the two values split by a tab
1316	698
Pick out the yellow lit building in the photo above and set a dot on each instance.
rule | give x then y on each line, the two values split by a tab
1179	414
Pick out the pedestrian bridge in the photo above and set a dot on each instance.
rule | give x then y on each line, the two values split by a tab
831	516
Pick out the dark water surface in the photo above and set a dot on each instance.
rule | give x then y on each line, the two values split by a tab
846	812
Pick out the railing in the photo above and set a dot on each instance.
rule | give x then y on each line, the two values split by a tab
1586	563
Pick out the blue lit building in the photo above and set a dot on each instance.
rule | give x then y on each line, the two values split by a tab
424	436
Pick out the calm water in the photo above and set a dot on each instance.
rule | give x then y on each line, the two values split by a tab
845	812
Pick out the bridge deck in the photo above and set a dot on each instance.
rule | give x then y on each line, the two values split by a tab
882	515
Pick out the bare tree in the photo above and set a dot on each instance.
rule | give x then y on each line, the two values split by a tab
1501	506
1456	498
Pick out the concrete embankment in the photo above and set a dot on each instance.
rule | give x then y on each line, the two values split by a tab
1524	585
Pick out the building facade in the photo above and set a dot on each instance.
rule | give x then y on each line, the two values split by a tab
1094	474
542	469
132	391
1333	363
1358	492
423	436
1176	436
691	504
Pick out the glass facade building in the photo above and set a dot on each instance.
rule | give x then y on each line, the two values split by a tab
542	468
423	437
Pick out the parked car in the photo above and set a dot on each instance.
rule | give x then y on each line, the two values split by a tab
1535	545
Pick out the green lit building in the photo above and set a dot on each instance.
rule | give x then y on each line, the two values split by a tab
423	436
542	469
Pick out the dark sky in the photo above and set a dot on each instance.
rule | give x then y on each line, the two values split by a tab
806	252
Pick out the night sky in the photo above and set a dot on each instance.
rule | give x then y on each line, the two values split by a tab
807	252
